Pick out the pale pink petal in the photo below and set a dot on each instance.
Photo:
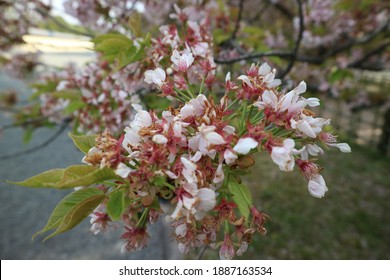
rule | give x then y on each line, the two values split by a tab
219	175
317	187
229	157
123	170
264	69
245	145
215	138
160	139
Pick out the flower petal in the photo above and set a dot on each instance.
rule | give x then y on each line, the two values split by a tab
244	145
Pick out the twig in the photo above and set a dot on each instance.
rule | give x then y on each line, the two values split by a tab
63	26
238	20
297	43
358	63
27	122
286	12
38	147
281	54
317	60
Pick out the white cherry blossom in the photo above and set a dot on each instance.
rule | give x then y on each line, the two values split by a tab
156	76
182	62
283	156
245	145
317	187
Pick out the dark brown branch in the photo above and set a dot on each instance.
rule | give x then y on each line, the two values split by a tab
238	20
35	121
282	9
360	62
249	56
38	147
61	25
297	43
309	59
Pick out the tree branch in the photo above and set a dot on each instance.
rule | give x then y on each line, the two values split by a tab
282	9
63	26
309	59
359	63
297	43
238	20
38	147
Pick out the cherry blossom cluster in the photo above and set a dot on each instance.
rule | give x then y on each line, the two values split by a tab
192	154
21	65
106	95
91	97
16	18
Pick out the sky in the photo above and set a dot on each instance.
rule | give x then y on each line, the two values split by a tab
58	9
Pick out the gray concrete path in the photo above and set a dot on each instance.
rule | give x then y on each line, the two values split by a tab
24	211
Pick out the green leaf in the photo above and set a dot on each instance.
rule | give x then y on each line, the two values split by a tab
47	179
74	106
84	175
78	213
68	94
27	135
241	196
135	24
339	74
116	204
83	142
73	176
154	102
65	205
49	87
111	45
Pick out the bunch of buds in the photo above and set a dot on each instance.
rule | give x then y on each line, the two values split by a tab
193	155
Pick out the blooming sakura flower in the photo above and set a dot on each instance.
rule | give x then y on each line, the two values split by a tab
123	170
309	126
200	49
331	141
229	157
313	102
269	75
343	147
264	69
245	145
219	175
182	62
317	187
141	120
156	76
160	139
204	138
291	102
282	156
189	170
206	200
